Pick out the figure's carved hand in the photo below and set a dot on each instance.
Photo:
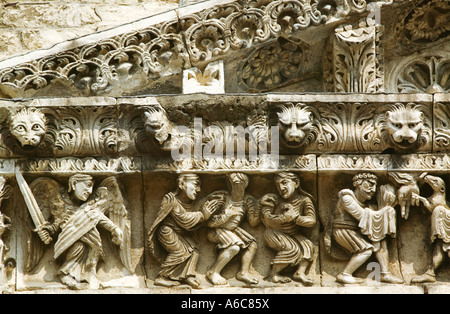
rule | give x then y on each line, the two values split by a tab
289	212
416	199
211	206
44	233
268	200
117	236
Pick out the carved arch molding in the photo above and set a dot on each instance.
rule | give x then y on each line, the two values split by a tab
310	45
136	191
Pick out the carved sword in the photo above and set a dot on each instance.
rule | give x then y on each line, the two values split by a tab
32	205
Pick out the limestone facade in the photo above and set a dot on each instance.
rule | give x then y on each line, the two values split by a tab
225	145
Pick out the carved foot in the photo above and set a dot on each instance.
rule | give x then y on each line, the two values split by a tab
245	277
303	279
216	278
279	279
165	282
71	282
348	279
191	281
389	278
427	277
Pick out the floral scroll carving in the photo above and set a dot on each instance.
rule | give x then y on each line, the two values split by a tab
274	65
441	122
358	59
428	74
95	68
85	130
424	23
215	31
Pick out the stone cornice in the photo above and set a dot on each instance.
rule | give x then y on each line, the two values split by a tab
163	45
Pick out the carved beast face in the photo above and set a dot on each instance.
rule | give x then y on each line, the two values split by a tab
297	126
405	126
436	183
157	123
28	126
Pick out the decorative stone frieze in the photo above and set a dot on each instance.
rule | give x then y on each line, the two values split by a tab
211	80
154	49
142	214
156	168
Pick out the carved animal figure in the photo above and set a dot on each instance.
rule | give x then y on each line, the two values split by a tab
28	126
440	226
407	189
405	127
157	124
438	197
297	126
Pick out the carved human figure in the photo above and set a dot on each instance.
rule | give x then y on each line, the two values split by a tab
28	126
77	215
361	228
5	221
440	225
171	231
282	219
225	230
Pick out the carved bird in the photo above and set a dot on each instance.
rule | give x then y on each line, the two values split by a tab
407	187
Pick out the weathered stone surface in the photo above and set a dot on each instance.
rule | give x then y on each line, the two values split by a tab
226	147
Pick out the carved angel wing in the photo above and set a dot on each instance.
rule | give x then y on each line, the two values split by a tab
53	200
116	210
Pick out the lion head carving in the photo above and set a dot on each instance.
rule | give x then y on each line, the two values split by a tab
405	127
157	123
168	136
28	126
297	125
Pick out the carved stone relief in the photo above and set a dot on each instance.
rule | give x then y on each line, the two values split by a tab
352	127
206	189
357	59
210	80
7	263
274	65
233	206
429	74
155	51
424	23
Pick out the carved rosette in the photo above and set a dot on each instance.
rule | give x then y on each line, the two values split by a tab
425	22
274	65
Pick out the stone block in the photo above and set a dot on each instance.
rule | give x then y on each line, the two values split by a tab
48	15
